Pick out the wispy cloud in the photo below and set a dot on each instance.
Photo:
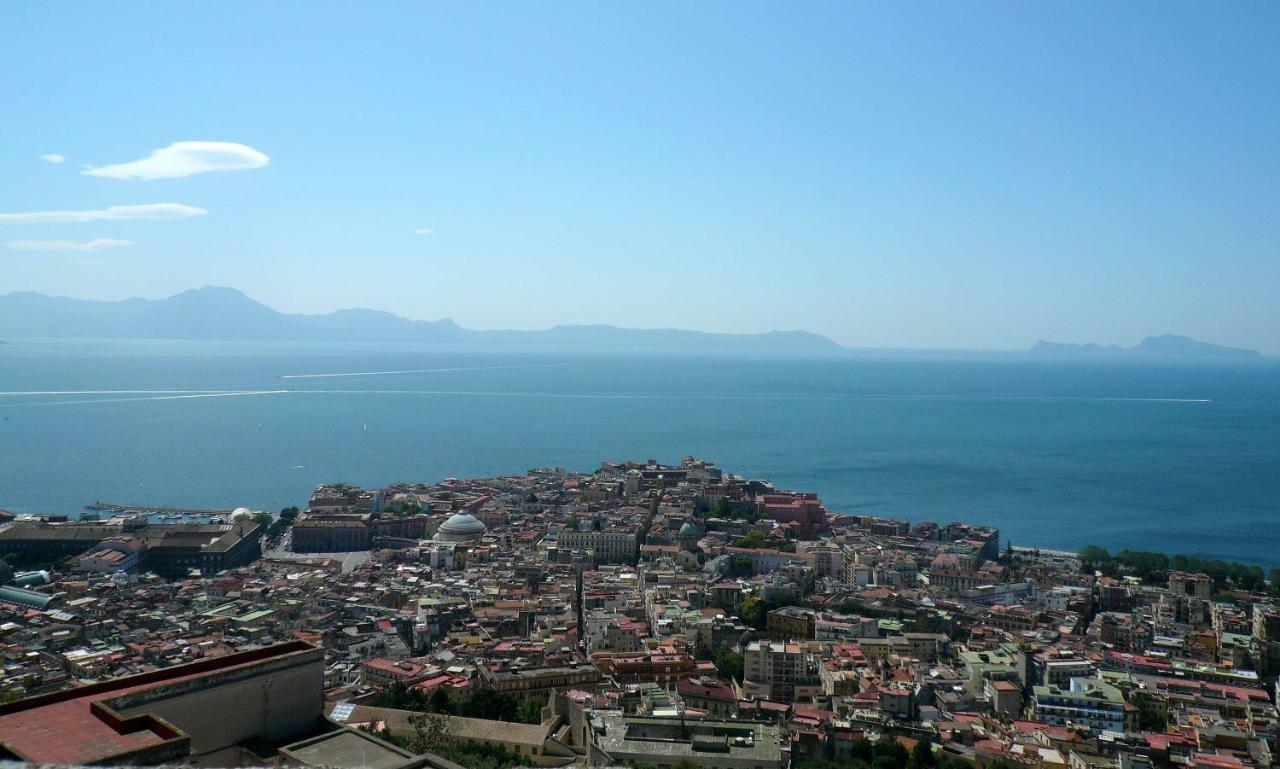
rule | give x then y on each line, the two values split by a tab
54	158
112	213
185	159
97	244
422	231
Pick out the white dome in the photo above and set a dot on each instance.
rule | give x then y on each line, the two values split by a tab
461	527
241	511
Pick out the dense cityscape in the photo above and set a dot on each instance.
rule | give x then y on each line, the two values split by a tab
643	614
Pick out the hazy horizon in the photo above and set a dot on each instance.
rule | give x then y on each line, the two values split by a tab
895	177
849	348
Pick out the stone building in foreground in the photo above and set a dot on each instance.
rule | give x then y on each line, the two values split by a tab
202	712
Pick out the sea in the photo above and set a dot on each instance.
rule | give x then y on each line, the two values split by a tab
1181	458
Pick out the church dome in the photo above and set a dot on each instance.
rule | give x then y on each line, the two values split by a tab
461	527
688	530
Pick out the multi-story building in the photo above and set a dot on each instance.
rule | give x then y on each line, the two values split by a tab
712	695
1192	585
617	739
828	562
785	672
805	510
1004	696
845	628
764	560
642	667
339	497
1123	631
612	544
897	702
1266	635
114	554
537	682
791	623
381	671
332	533
1015	619
1059	671
1088	702
171	550
202	548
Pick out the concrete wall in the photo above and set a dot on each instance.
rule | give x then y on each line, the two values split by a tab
276	702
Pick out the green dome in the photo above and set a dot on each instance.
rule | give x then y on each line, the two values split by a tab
688	530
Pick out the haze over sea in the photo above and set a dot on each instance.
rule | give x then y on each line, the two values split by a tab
1179	458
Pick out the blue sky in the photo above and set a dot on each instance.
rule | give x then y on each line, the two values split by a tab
976	175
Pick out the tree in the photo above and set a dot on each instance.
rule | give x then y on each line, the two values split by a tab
889	748
753	611
242	518
922	755
862	750
753	540
431	734
740	566
729	663
491	704
1092	557
531	712
398	696
263	519
289	515
439	701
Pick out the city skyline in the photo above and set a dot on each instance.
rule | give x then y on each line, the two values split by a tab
905	178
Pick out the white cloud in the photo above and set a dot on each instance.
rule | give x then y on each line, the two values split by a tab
185	159
96	244
112	213
54	158
422	231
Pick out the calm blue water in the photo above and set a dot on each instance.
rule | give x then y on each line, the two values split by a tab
1176	458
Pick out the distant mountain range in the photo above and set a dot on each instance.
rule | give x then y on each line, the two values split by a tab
1169	346
227	314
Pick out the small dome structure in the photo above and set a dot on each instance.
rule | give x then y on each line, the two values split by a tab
461	527
688	530
241	511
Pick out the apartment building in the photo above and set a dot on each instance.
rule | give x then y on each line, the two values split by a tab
784	672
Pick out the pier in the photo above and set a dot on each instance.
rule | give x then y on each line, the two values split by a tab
111	507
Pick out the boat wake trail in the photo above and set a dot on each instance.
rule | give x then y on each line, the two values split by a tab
414	371
104	392
176	395
760	396
166	395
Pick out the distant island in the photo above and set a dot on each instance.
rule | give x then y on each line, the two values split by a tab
1168	345
227	314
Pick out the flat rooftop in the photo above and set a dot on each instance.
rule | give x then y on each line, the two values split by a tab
78	726
347	748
